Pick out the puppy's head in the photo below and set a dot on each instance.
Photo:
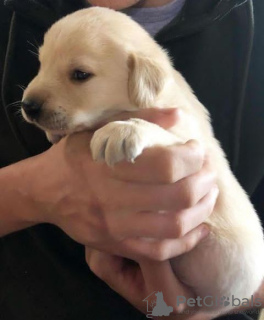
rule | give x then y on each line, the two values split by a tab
93	64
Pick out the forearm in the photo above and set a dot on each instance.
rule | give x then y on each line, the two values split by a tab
17	208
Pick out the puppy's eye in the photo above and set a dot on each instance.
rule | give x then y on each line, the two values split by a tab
79	75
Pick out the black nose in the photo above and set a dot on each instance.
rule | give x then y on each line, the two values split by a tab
32	108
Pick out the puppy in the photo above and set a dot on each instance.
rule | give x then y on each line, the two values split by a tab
96	63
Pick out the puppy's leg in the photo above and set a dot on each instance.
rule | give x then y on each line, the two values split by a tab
125	140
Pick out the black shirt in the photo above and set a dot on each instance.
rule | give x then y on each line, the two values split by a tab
219	48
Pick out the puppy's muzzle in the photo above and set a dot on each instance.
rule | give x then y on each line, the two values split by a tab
32	108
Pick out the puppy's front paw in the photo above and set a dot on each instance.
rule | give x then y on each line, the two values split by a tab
119	140
125	140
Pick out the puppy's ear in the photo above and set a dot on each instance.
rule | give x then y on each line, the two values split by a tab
145	80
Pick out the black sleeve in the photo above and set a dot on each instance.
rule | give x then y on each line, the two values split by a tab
258	55
251	155
8	144
241	316
258	200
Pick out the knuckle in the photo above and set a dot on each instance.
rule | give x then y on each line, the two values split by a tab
196	149
93	266
97	270
189	193
195	156
87	257
212	174
208	167
179	226
167	162
210	204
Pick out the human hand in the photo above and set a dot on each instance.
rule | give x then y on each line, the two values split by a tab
112	209
137	281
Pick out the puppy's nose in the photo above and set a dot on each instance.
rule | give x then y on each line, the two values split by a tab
32	108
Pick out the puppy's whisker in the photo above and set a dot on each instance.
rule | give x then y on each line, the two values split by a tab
21	118
35	54
37	45
16	104
33	45
23	88
18	112
19	115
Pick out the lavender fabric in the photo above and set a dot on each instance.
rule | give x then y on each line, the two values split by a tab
154	19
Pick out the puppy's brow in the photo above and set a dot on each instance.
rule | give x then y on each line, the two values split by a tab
81	64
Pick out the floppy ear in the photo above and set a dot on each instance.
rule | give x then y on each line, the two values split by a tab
145	80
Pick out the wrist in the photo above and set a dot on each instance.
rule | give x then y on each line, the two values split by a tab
44	187
17	210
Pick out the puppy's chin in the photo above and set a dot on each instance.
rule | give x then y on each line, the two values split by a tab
54	137
82	121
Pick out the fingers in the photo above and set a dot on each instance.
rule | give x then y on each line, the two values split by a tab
162	164
135	282
181	195
169	225
181	201
161	250
106	267
124	278
96	261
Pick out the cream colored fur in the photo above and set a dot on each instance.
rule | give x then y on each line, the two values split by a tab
131	71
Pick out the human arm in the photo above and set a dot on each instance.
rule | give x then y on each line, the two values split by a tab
120	275
17	207
135	281
96	205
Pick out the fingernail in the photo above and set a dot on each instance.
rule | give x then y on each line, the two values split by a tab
205	231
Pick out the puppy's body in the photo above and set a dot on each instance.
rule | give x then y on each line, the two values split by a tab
131	71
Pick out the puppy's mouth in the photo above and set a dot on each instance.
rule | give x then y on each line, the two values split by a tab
54	136
95	122
57	125
54	124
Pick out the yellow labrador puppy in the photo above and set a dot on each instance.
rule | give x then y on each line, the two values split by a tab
96	63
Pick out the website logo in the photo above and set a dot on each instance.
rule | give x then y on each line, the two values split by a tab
156	306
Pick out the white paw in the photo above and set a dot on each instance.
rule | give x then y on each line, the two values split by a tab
120	140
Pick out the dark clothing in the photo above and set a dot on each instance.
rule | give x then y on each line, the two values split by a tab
43	274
